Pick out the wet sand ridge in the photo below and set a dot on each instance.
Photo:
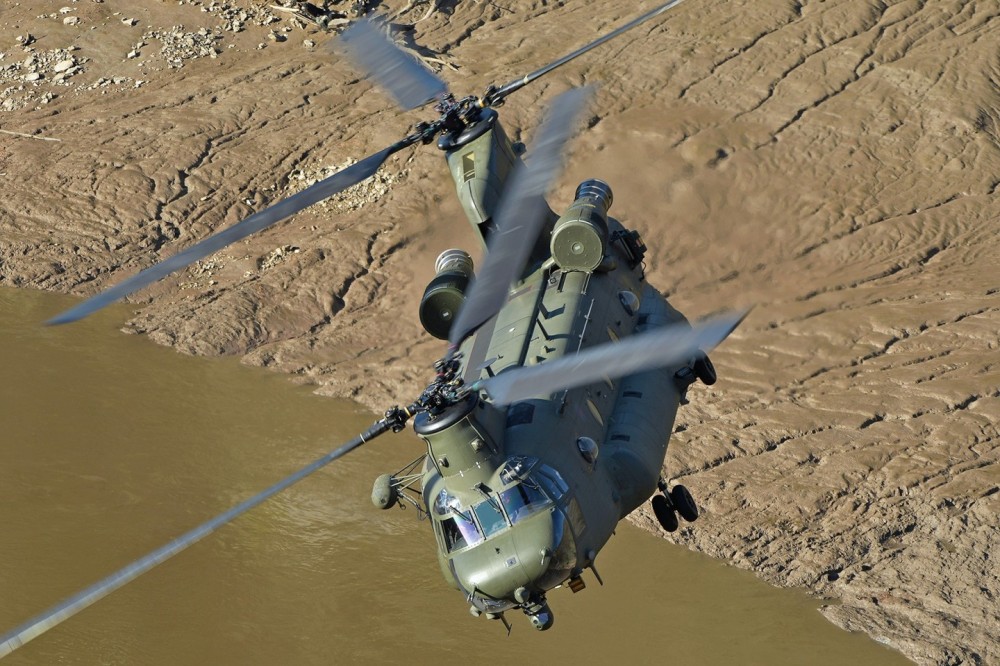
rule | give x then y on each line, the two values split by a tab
834	163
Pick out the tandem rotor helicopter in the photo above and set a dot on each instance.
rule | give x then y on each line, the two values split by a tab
548	417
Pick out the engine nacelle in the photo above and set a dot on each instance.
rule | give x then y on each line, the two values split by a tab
445	294
580	236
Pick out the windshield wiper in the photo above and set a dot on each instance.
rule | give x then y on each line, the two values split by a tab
483	490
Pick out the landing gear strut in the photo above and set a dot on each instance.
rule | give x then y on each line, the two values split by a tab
667	505
684	503
539	614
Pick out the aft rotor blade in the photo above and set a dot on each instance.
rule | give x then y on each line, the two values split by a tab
497	95
73	605
409	82
338	182
520	216
645	351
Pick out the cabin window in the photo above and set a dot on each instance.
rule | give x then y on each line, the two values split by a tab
444	503
522	500
521	413
588	449
595	411
629	301
517	468
551	482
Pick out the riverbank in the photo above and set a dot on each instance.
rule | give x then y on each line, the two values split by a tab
833	163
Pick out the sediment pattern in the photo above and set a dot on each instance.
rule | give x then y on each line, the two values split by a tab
834	163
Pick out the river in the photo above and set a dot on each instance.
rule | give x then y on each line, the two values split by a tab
113	446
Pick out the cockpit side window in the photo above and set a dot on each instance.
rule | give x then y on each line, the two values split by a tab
460	532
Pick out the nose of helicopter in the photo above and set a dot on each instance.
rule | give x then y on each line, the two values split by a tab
516	564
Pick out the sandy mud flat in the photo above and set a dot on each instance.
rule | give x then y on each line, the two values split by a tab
834	163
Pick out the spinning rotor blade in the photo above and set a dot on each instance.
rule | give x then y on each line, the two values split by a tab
338	182
409	82
645	351
70	607
520	216
496	96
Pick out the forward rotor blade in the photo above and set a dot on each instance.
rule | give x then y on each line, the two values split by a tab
645	351
338	182
70	607
409	82
520	216
497	95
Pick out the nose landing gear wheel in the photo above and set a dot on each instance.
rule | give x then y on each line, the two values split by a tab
665	513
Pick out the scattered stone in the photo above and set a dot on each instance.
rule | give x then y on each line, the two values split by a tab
353	198
35	69
276	256
130	21
237	17
179	45
71	20
105	83
309	44
25	40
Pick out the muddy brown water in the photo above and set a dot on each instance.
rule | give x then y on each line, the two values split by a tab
112	446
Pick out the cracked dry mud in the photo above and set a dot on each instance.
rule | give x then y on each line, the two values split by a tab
834	163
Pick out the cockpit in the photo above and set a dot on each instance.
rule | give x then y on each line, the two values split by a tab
521	496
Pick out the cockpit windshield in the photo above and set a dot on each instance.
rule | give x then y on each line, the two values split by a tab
490	517
463	527
523	500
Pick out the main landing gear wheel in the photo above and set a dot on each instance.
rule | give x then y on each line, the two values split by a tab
704	370
681	500
665	513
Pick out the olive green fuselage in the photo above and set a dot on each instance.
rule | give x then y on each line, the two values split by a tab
523	497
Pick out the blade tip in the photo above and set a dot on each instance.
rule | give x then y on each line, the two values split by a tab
62	318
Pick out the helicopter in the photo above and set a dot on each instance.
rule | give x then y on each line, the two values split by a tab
548	417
